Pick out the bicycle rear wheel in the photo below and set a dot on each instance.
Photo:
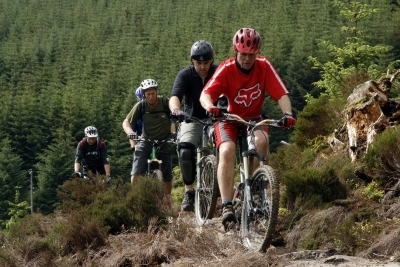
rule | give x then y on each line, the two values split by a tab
260	214
207	193
156	174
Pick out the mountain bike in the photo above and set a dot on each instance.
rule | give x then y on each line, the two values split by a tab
207	190
256	199
154	165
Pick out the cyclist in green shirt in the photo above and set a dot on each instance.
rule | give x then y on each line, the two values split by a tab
155	114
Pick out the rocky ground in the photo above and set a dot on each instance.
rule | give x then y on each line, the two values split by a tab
183	243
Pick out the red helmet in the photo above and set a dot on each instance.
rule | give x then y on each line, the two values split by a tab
247	40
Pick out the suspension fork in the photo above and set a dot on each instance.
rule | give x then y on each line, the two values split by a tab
246	181
248	159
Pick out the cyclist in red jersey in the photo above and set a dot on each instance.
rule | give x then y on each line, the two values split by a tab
245	80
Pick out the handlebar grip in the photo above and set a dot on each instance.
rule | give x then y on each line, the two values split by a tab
180	117
132	136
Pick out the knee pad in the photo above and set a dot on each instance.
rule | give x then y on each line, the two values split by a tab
187	162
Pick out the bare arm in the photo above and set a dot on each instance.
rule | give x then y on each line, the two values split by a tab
128	129
107	169
127	126
132	142
173	128
205	101
77	166
285	105
174	103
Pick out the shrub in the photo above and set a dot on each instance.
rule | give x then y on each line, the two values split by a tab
356	232
313	185
372	191
290	157
383	156
7	259
28	241
121	206
82	232
318	118
178	185
78	193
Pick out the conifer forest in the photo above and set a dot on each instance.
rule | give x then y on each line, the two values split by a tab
67	64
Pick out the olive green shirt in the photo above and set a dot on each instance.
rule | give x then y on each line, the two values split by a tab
157	124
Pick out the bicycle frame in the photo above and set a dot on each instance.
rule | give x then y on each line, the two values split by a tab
257	196
244	156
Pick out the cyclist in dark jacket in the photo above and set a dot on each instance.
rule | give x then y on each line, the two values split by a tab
189	84
91	152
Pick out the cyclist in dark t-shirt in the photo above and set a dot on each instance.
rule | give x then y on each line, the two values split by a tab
189	84
91	152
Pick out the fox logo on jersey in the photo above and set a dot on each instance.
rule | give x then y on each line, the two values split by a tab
246	96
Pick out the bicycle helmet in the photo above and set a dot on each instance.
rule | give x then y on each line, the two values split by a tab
139	93
247	40
91	131
148	84
201	50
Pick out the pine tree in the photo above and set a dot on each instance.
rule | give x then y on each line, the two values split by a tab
55	167
356	56
17	209
11	176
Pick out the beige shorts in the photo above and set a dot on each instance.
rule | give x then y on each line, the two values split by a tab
190	132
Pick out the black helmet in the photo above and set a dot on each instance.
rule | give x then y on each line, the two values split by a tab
201	50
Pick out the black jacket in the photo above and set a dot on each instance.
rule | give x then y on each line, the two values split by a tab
189	84
92	157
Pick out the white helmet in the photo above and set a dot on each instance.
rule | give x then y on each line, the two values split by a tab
148	83
91	131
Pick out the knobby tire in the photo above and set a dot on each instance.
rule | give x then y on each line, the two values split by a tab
208	191
258	223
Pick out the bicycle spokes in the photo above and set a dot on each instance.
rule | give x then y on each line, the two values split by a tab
261	210
207	191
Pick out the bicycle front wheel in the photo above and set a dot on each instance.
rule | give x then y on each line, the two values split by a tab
260	213
156	174
207	193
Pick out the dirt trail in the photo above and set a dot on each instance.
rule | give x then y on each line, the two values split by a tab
280	256
184	244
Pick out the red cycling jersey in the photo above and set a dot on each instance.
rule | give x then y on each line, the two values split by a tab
245	92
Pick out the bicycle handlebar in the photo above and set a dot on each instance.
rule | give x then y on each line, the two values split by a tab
231	117
237	118
188	118
156	142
